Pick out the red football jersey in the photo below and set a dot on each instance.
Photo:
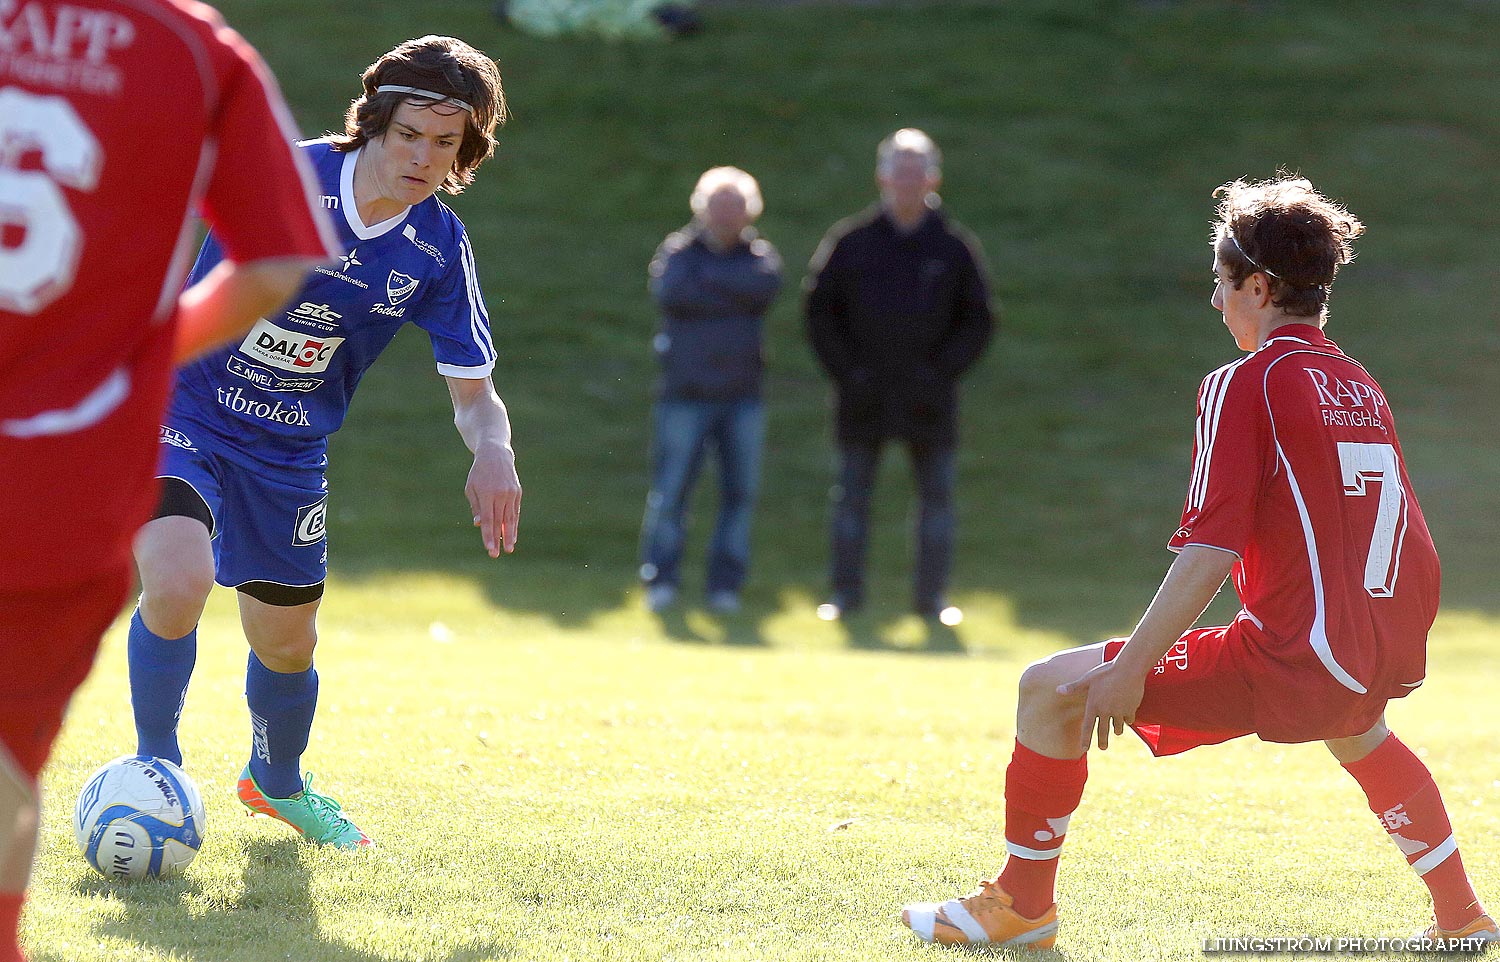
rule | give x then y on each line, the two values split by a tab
118	120
1297	470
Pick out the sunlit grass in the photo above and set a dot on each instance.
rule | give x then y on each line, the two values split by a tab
604	791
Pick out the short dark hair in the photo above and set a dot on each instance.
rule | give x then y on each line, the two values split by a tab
442	65
1284	229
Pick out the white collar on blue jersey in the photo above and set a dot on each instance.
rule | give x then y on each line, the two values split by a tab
351	209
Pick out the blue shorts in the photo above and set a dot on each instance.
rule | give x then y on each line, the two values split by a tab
269	520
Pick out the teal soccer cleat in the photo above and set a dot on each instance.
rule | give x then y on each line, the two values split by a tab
317	818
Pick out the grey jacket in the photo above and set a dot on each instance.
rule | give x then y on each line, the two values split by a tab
713	307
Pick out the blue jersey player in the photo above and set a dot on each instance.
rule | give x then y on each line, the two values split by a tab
244	445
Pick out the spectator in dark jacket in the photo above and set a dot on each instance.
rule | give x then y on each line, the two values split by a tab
897	310
713	281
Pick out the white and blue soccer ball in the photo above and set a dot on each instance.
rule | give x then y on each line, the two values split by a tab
139	817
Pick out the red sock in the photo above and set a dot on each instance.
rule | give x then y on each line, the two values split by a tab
1040	795
1405	799
10	922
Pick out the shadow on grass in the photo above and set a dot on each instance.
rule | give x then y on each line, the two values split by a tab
272	914
675	626
867	632
740	628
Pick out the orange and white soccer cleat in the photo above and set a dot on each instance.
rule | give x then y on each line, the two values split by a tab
983	917
1482	929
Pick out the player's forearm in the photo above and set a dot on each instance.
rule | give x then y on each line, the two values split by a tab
481	419
1191	583
231	298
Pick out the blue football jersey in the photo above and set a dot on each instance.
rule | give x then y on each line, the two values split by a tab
286	385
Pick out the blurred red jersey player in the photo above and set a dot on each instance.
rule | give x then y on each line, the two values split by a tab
1300	491
118	120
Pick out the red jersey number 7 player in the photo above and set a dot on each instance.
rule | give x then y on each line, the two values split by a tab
1299	491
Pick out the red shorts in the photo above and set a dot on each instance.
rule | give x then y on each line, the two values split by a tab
1211	686
48	639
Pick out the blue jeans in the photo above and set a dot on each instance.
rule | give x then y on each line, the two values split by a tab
683	431
933	468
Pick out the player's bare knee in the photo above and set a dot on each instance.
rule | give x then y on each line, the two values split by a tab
172	601
181	585
176	566
1038	688
287	650
287	658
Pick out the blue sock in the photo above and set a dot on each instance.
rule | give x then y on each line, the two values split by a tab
160	669
281	716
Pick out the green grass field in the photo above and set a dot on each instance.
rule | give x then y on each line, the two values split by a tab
597	792
553	774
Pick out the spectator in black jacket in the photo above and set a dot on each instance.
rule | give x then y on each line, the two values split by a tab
713	281
897	310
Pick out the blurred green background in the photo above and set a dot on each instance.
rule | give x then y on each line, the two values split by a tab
1082	143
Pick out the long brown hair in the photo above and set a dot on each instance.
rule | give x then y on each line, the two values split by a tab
442	65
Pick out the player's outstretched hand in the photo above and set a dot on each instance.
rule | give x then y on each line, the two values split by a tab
1113	694
494	493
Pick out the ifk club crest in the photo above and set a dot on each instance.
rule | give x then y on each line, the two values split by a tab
398	287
